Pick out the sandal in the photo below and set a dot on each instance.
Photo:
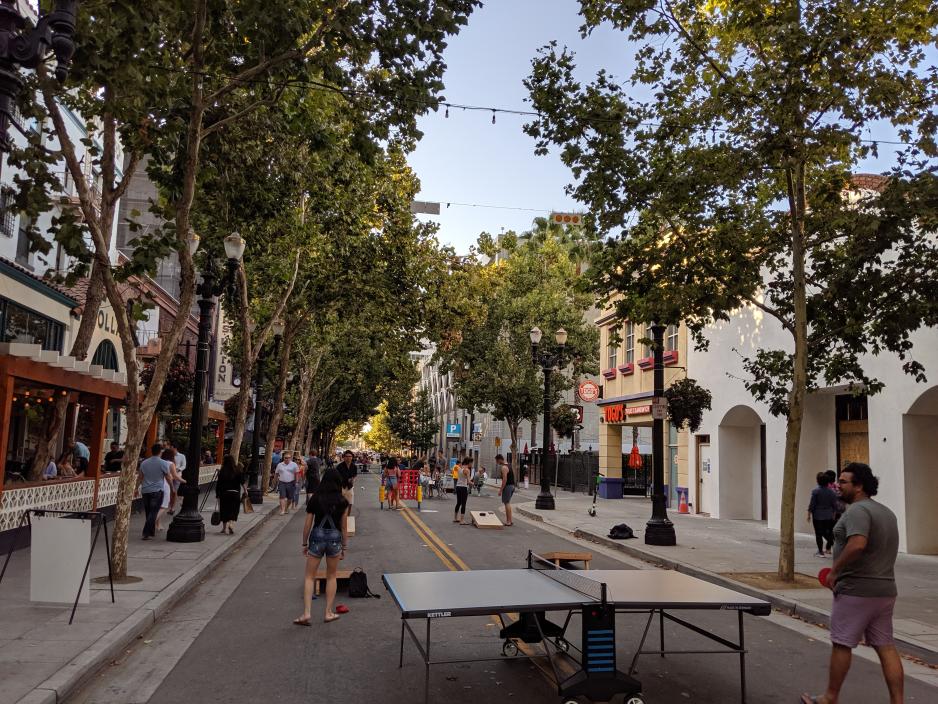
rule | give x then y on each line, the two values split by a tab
301	621
330	620
808	699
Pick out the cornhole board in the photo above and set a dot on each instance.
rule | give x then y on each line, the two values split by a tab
319	583
350	525
485	519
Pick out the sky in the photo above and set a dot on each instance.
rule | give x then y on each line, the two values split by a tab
465	158
467	162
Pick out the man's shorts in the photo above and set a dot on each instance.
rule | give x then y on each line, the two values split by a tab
507	492
286	489
866	617
349	495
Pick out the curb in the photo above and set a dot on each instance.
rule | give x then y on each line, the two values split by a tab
86	664
790	607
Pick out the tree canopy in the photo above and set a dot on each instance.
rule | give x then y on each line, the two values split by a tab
723	167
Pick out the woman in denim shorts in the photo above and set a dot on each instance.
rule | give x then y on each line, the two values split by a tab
325	534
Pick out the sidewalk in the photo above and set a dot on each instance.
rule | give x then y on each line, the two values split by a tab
711	548
43	658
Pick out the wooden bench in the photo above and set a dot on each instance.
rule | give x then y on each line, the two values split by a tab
560	556
340	575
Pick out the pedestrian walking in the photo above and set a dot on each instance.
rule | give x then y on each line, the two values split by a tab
508	486
228	490
151	475
300	480
348	471
463	472
392	476
866	542
286	481
821	511
325	534
179	460
174	479
313	472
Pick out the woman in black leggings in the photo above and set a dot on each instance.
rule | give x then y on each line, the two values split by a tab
462	489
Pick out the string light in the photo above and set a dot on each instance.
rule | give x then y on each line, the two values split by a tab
446	114
493	117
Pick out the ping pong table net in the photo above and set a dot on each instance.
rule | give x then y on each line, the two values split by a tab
595	590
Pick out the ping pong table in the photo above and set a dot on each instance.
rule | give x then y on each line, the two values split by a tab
597	596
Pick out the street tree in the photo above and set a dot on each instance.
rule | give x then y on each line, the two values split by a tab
723	168
534	282
157	78
379	436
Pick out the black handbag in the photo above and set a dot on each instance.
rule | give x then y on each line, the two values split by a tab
216	515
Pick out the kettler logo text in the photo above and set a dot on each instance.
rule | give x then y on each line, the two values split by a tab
439	614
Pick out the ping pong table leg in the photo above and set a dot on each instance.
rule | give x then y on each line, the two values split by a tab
661	629
641	643
426	682
742	659
402	645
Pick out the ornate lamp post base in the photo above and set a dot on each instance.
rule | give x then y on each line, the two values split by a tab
187	525
659	530
255	495
545	502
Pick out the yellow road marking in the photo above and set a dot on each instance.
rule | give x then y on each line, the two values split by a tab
453	562
430	543
439	541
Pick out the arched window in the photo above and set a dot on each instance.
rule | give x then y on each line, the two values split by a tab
105	356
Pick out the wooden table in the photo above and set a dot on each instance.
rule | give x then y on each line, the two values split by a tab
560	556
321	577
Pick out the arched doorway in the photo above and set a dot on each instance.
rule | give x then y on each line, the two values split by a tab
741	464
920	470
105	356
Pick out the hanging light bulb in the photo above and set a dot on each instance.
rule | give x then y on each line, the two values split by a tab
446	114
493	117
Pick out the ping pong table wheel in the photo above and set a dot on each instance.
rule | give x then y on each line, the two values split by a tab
509	649
635	699
562	645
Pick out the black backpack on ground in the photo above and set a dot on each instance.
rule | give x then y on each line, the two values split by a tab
358	585
621	532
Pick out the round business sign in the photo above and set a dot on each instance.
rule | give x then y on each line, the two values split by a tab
588	391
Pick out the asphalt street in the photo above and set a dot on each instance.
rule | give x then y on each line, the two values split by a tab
243	646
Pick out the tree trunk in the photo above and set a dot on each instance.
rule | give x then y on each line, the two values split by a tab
277	412
786	555
515	459
247	369
53	418
303	407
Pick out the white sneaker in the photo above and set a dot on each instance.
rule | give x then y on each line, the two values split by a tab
819	554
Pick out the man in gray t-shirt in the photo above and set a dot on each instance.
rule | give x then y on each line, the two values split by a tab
866	542
150	476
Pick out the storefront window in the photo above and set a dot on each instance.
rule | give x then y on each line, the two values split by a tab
23	325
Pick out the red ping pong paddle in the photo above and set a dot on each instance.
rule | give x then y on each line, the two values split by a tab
822	576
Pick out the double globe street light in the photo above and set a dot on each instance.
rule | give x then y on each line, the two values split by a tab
547	359
187	525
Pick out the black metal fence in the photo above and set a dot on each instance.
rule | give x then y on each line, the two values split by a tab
576	471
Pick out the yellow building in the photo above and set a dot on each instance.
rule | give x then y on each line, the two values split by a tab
627	367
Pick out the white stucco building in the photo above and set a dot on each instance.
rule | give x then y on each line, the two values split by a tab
736	457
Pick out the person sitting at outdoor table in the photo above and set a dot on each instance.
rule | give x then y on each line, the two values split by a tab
50	471
424	478
114	458
479	480
65	468
81	456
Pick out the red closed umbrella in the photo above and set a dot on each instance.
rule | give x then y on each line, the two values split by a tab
635	458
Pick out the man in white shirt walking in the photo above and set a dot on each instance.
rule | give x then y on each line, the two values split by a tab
286	481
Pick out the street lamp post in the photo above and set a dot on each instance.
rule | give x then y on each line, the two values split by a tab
187	525
547	360
659	530
53	33
255	492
